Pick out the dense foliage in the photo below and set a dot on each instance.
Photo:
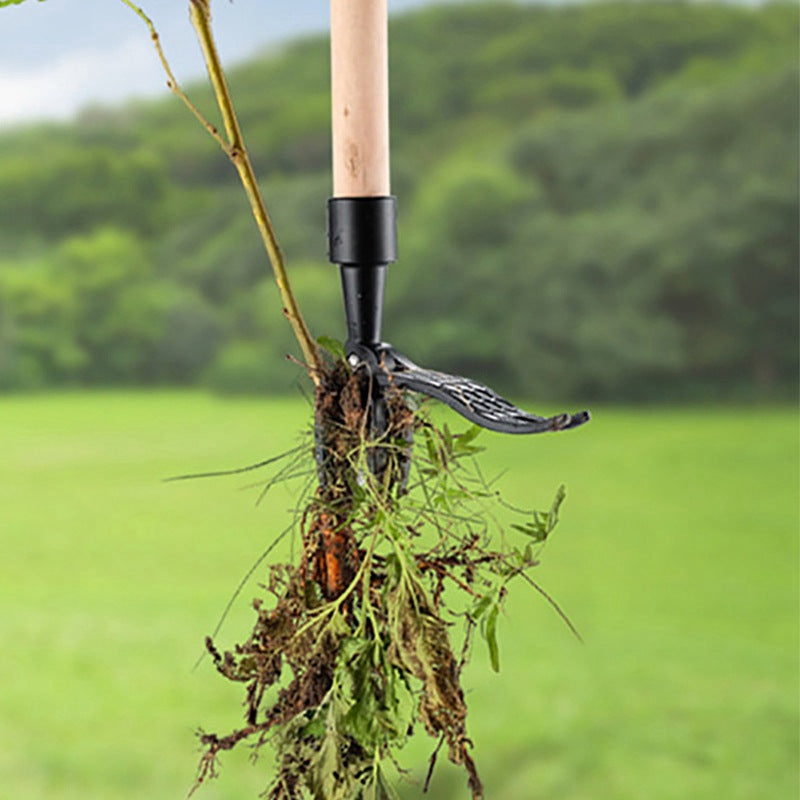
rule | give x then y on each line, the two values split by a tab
595	200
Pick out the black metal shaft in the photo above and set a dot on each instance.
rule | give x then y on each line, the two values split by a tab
362	240
363	291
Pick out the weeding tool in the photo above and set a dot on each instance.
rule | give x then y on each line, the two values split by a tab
362	227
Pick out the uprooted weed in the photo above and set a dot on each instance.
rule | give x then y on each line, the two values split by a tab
353	650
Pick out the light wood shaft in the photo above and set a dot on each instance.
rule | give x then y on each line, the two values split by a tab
360	98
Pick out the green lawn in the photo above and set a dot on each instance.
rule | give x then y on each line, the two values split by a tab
677	558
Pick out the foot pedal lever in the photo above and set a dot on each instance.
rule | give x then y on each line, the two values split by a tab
473	400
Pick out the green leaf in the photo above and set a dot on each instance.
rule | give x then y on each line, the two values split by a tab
433	453
552	517
528	554
333	346
394	570
380	788
13	2
448	439
491	637
315	728
464	440
481	604
536	529
543	522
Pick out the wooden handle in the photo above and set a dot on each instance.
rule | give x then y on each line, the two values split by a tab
360	98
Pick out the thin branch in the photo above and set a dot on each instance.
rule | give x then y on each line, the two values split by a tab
172	83
237	471
555	606
233	146
242	583
200	15
432	764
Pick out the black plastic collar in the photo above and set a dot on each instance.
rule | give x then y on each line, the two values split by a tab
362	231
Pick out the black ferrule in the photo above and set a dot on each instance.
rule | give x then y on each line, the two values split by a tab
362	231
362	240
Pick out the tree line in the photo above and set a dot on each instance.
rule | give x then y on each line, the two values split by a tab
596	201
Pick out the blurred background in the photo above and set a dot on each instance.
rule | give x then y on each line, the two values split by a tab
597	202
598	205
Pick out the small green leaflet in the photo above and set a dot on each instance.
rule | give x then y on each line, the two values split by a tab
490	632
463	442
486	610
480	606
379	788
13	2
333	346
543	522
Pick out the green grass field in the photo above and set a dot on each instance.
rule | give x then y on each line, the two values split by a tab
677	558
